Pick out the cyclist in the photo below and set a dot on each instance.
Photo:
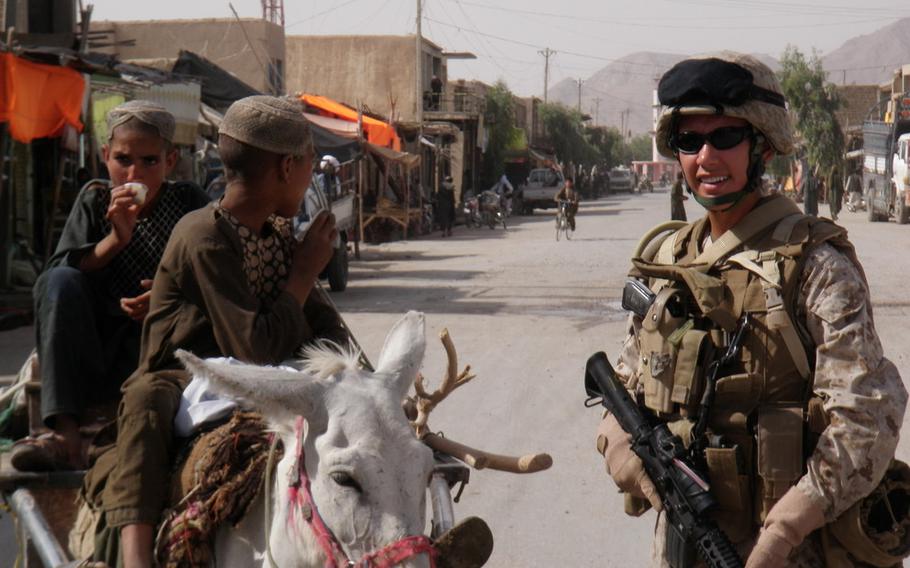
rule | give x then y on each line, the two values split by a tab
569	195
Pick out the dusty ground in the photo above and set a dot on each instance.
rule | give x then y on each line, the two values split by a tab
526	311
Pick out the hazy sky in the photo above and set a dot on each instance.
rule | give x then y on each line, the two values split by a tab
506	35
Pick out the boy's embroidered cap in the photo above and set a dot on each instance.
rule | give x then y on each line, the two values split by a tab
273	124
152	114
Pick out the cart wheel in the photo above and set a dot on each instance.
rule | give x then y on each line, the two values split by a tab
338	269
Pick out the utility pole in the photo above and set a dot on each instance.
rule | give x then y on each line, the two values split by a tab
419	98
579	81
547	52
419	60
597	111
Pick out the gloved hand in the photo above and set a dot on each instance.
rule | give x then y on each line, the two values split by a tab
787	525
626	468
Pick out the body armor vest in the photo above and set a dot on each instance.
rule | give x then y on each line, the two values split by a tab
758	422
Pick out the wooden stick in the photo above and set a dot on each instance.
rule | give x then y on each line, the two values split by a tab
479	459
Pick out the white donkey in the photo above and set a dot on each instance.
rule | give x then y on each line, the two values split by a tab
350	489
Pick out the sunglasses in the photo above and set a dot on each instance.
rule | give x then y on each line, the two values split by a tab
723	138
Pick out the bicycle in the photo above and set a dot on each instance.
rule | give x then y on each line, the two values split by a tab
562	220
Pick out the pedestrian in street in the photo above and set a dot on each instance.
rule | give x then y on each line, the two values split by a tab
233	283
436	91
445	206
835	191
677	197
93	296
809	410
854	189
810	197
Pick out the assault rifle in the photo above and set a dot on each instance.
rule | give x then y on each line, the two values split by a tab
683	491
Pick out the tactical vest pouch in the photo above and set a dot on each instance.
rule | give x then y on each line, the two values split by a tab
730	486
688	375
658	354
876	530
780	452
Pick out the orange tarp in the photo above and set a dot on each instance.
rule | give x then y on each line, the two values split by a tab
38	100
378	132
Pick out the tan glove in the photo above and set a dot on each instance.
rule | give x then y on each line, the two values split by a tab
787	525
626	468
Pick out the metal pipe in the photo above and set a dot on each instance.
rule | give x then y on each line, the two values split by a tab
441	498
35	526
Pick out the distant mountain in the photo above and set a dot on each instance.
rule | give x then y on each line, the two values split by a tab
625	87
870	59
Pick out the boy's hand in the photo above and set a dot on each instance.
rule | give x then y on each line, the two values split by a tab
122	213
315	252
137	308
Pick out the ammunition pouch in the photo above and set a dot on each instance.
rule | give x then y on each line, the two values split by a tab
875	530
730	486
658	352
780	453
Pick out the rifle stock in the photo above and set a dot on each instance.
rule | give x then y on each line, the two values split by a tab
682	489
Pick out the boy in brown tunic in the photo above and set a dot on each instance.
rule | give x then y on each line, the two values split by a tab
232	282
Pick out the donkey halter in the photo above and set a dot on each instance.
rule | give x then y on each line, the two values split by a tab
300	499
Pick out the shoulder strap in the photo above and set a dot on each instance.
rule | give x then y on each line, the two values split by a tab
774	210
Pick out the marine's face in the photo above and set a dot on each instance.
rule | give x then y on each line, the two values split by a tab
132	156
711	172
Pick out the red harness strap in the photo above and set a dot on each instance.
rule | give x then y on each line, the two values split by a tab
301	498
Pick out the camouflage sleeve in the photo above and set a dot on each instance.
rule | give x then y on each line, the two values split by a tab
863	394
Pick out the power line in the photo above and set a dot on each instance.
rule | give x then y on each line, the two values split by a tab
487	53
652	23
534	46
318	14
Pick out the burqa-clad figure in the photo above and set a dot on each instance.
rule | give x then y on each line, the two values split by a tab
445	206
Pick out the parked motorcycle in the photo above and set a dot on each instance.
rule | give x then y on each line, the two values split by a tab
855	202
492	211
471	211
645	185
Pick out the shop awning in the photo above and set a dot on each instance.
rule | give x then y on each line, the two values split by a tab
542	157
409	161
336	126
38	100
378	132
219	88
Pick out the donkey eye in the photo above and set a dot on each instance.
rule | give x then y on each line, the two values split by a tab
344	479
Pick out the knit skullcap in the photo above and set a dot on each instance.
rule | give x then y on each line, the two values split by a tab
273	124
147	112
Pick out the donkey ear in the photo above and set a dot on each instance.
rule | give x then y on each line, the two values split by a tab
278	394
403	350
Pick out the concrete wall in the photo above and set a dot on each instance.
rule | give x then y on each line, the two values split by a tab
377	71
221	41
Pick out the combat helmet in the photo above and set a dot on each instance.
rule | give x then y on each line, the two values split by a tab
730	84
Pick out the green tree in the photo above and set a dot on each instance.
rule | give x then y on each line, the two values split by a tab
499	118
608	144
813	102
637	148
565	129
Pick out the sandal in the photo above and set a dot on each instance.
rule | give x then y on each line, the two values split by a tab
46	452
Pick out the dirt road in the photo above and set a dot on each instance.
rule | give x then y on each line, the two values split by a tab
526	311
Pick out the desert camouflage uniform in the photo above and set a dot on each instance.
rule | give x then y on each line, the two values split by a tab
864	397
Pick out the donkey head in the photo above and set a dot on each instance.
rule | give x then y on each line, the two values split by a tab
368	472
